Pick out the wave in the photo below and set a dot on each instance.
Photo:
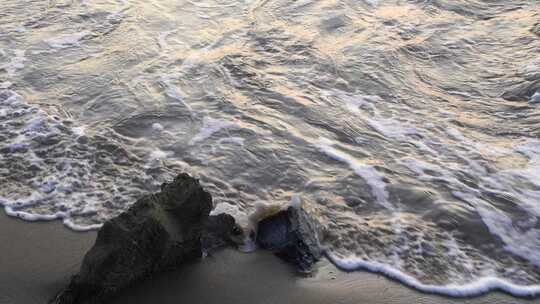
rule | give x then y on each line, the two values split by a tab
481	286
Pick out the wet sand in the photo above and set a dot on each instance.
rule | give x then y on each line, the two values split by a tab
37	260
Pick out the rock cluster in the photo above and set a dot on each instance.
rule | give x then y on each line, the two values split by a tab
161	231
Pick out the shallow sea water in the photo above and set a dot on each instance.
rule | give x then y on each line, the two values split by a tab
411	129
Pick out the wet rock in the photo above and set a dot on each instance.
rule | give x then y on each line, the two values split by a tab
293	236
220	231
159	232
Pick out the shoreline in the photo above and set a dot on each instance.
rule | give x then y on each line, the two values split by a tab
39	258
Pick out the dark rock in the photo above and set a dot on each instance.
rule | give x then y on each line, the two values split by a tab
293	236
220	231
159	232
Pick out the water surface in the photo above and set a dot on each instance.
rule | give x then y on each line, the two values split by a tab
410	128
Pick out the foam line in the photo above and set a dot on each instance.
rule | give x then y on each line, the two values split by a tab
367	172
65	216
69	223
475	288
211	126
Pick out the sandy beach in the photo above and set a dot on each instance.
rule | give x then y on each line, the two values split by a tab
38	259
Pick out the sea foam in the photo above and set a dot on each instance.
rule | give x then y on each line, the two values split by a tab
535	98
16	63
478	287
67	40
367	172
64	173
211	126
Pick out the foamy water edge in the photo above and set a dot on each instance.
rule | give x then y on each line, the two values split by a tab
475	288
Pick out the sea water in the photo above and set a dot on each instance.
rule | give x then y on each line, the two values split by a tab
410	129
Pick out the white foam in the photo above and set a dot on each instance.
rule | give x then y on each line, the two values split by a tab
71	225
420	167
70	188
522	239
531	173
207	5
521	242
530	148
475	288
162	38
295	202
354	103
535	98
367	172
31	217
157	127
64	216
67	40
456	134
160	155
390	128
16	63
211	126
79	131
174	91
